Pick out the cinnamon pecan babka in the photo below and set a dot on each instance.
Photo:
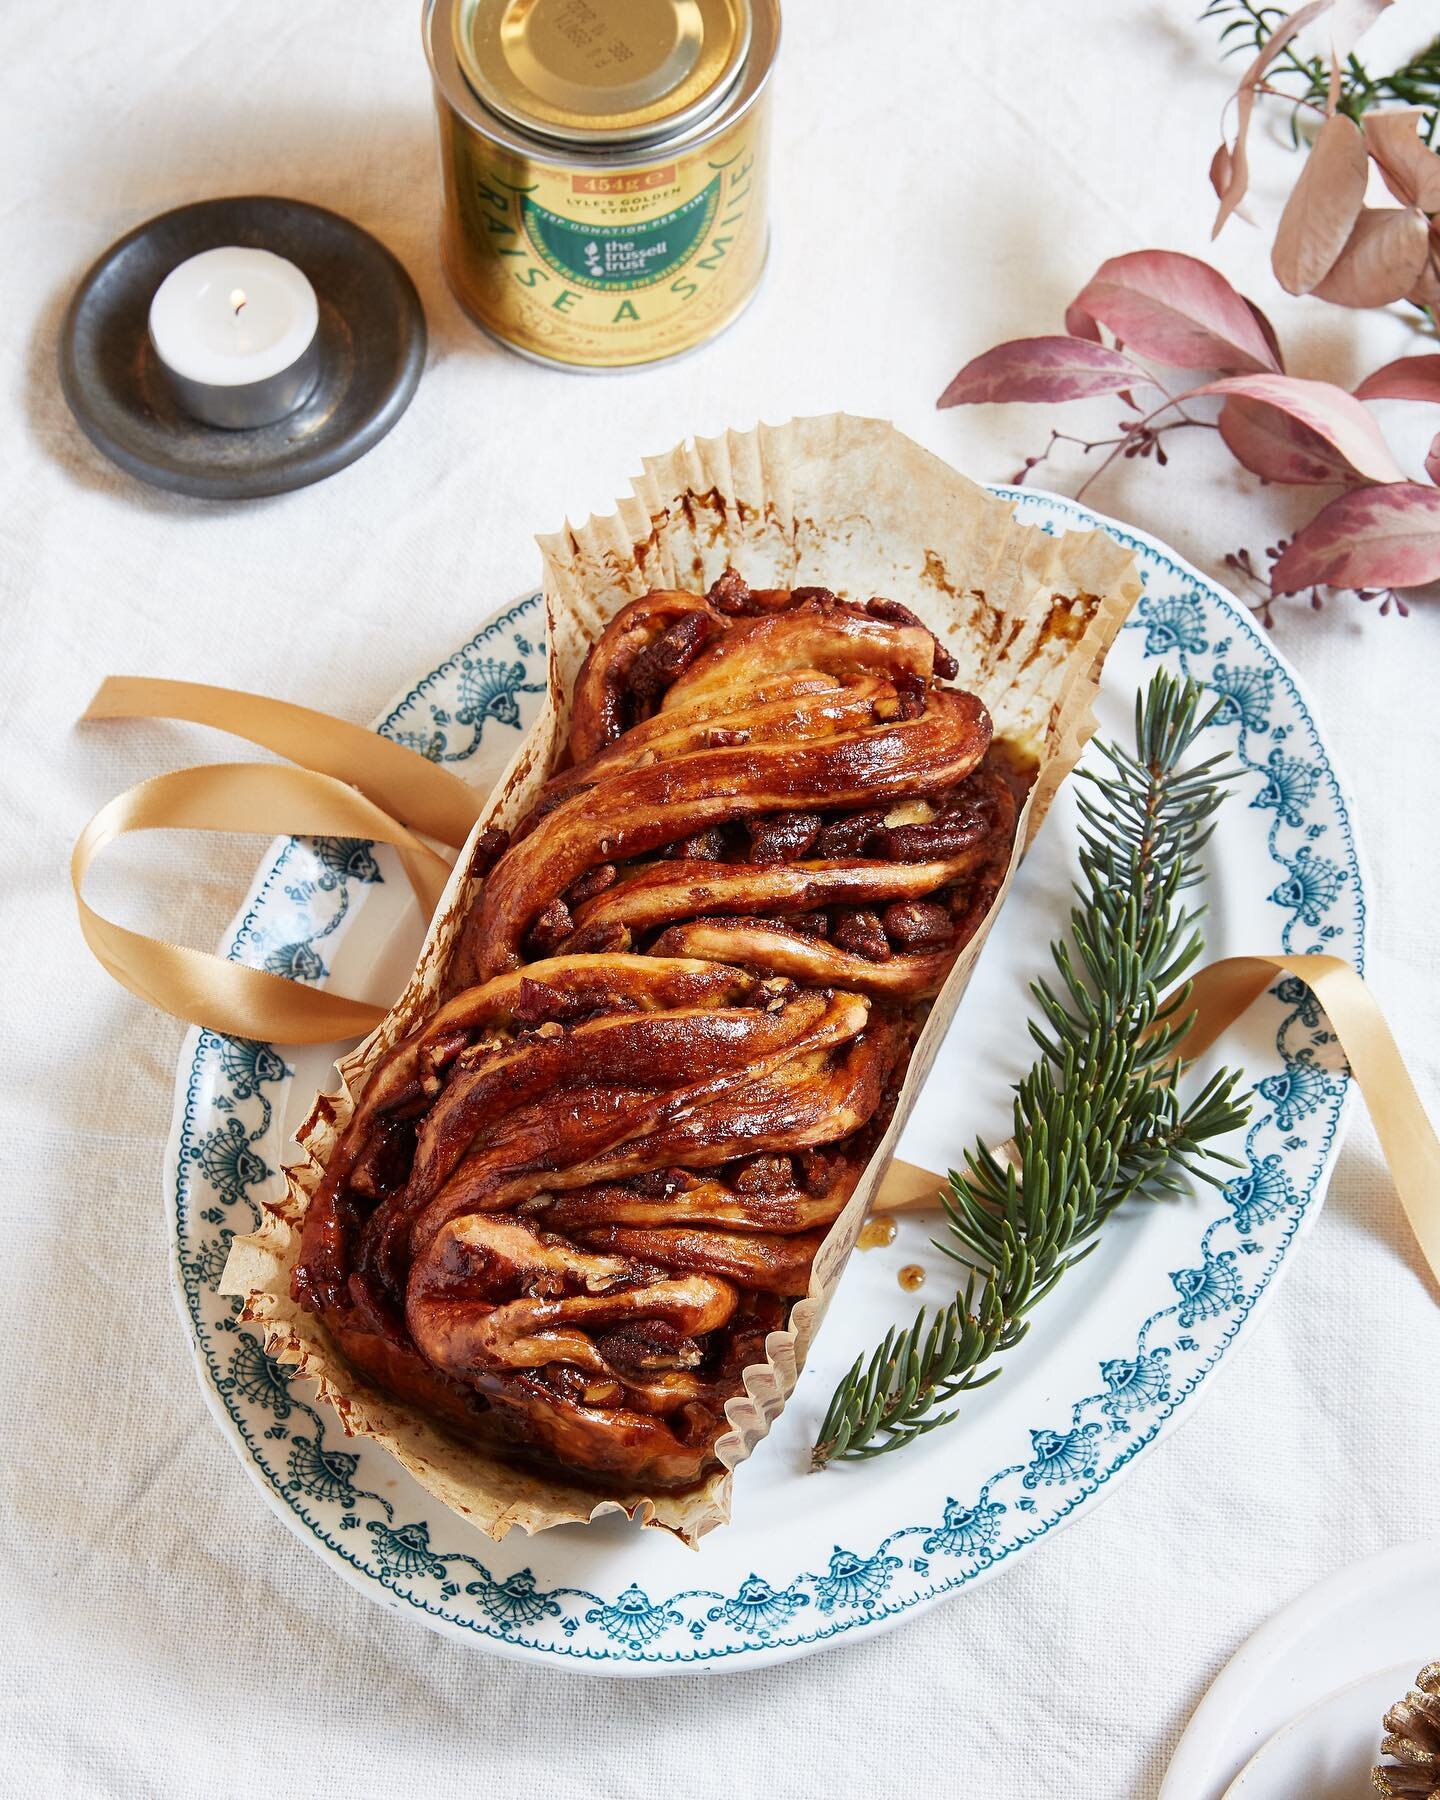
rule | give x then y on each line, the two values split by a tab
570	1206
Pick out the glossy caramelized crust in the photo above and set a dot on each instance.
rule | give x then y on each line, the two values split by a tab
570	1206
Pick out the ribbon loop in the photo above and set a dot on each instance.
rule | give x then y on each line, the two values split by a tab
410	787
1225	988
242	797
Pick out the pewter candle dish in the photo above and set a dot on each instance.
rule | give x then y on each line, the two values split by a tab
370	349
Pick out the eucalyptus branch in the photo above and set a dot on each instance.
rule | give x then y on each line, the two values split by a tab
1242	565
1142	438
1099	1119
1135	439
1414	83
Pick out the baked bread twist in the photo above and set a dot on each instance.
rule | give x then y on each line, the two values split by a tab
571	1205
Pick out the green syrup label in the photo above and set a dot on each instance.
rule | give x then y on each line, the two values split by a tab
615	258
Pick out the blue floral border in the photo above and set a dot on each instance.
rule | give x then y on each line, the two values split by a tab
1320	891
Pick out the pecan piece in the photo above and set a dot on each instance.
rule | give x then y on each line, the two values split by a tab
730	593
552	926
975	800
912	696
859	930
664	661
816	1171
917	924
907	702
703	846
782	838
490	846
383	1165
594	881
764	1174
537	1001
657	1183
848	836
596	940
648	1344
932	842
436	1058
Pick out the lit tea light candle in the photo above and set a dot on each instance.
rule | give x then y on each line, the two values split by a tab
236	331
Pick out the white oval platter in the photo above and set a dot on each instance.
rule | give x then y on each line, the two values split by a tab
811	1560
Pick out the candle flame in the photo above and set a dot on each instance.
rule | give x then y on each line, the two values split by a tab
237	298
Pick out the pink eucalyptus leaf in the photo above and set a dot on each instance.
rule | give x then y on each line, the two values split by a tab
1245	105
1322	207
1230	166
1267	331
1410	378
1277	447
1329	411
1079	323
1229	176
1383	259
1177	310
1349	21
1426	291
1222	170
1370	537
1043	368
1410	169
1432	459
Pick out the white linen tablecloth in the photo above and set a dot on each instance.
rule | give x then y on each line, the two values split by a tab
947	174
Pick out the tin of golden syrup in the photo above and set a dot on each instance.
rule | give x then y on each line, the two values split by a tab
605	169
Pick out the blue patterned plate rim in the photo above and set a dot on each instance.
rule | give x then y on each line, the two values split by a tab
313	1485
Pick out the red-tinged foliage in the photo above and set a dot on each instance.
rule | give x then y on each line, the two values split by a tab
1323	207
1176	310
1383	258
1408	378
1325	410
1370	537
1043	369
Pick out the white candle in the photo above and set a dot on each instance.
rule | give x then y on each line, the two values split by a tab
235	330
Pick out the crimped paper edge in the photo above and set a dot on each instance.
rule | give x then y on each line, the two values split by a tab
740	497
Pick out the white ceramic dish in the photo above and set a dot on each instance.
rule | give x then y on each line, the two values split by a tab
1327	1751
811	1560
1380	1614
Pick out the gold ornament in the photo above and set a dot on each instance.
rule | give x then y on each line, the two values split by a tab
1412	1738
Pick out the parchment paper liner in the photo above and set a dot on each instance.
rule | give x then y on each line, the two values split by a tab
837	501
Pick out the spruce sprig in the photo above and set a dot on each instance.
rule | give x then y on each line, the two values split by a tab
1099	1119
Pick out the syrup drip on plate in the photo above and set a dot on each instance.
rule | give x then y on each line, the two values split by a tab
876	1233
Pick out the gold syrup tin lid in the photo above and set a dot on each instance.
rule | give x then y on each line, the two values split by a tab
601	71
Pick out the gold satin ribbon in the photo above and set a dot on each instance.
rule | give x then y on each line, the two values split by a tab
1219	994
421	794
398	789
401	792
1222	991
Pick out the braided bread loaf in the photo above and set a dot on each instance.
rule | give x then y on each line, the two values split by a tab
571	1205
